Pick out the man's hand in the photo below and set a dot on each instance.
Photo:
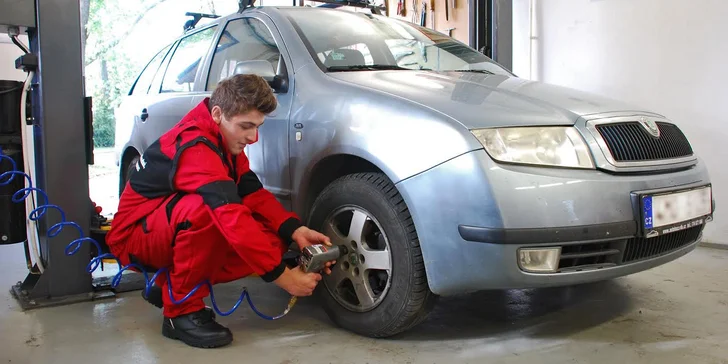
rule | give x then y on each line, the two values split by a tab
298	283
304	237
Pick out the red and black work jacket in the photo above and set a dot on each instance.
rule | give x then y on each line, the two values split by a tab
192	158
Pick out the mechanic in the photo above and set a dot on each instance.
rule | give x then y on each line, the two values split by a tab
193	205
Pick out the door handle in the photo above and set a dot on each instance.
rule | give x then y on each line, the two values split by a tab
145	114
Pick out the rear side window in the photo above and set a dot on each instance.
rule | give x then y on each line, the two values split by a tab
141	87
182	68
244	39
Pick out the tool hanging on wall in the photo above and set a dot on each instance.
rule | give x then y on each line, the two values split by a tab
423	18
447	13
414	11
401	8
432	14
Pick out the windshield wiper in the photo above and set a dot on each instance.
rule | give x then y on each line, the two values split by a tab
473	71
360	67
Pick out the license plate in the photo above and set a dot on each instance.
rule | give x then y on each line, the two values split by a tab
666	213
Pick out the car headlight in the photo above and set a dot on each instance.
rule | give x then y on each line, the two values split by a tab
547	146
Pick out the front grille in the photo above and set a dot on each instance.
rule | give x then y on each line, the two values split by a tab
630	142
643	248
596	255
588	256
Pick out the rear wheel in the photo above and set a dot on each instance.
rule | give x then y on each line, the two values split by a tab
379	288
127	173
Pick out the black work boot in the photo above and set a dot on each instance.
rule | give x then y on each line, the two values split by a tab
198	329
155	298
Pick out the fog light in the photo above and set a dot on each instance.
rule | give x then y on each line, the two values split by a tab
542	260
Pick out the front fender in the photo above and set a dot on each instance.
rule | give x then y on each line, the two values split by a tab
402	138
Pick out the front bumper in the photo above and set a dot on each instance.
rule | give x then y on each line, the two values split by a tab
472	215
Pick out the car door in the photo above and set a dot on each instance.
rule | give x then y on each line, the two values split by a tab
255	37
175	84
132	111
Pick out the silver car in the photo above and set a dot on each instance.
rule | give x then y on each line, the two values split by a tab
441	171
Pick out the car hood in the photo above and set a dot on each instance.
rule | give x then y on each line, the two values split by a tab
483	100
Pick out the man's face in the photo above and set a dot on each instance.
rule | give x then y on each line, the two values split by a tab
239	130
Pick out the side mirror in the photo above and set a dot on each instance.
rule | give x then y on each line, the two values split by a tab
263	69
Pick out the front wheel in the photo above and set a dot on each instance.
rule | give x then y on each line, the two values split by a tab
379	288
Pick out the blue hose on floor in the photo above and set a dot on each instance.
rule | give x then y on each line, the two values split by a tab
73	247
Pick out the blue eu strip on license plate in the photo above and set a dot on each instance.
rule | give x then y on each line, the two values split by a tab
647	209
675	211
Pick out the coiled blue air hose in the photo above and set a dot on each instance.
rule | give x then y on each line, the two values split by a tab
75	245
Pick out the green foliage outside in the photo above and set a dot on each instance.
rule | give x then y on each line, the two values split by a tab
107	65
119	38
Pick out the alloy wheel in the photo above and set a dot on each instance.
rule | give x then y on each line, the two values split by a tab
360	280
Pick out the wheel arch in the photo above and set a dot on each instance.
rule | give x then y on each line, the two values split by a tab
328	169
335	166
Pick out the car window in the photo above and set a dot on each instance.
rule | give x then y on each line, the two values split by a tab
416	54
157	81
359	48
244	39
389	44
141	87
182	68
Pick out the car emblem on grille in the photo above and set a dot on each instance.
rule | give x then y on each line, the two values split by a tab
651	127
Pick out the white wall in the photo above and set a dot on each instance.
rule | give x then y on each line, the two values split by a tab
667	55
9	52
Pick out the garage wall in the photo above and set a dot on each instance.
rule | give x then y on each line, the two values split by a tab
666	55
9	52
457	17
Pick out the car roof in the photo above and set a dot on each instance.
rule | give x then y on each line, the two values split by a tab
273	11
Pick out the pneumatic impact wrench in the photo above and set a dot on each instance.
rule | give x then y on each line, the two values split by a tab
313	259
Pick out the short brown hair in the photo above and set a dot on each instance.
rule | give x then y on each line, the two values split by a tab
242	93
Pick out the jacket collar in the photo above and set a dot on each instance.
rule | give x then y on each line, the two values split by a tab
202	117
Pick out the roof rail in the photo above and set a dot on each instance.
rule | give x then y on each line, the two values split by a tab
196	17
356	4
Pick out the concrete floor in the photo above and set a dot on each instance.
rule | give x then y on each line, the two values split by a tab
677	313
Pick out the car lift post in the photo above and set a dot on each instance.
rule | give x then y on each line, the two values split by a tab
61	134
491	29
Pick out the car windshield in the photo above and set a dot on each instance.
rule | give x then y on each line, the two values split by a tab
343	40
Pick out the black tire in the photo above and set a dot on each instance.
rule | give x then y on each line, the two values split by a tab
408	300
127	173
